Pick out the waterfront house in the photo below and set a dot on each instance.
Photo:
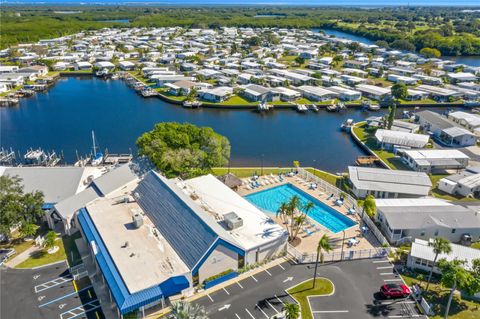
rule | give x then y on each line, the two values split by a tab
216	95
255	93
392	140
405	219
284	94
384	183
373	92
315	93
126	65
422	256
434	160
182	87
105	65
39	70
345	94
161	80
465	183
82	65
438	93
11	79
415	95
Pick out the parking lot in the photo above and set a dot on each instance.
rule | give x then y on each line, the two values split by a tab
47	293
356	284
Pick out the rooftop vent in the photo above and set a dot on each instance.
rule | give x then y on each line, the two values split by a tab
232	220
137	220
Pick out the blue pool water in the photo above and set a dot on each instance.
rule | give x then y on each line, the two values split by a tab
271	199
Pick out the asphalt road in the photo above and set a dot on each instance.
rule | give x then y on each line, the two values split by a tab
46	293
356	285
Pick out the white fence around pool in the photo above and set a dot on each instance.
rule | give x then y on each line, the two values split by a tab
338	255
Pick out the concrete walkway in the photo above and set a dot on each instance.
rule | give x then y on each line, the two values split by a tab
12	263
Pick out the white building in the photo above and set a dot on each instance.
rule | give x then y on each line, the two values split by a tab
384	183
433	160
397	139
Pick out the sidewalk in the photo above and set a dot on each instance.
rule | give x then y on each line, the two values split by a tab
12	263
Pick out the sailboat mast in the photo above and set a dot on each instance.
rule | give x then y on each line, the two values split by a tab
94	146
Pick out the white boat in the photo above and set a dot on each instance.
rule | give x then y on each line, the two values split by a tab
35	157
264	107
102	73
313	107
302	108
347	125
97	157
374	107
148	92
191	104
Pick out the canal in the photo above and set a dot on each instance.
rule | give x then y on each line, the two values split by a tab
62	119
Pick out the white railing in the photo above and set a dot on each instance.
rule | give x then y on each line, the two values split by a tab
339	255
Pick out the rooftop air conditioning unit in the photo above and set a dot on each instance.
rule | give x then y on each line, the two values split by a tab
232	220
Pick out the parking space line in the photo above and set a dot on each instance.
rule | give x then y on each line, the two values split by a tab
238	317
385	267
226	291
380	261
210	298
279	300
266	270
262	311
280	265
239	285
64	296
396	279
249	313
254	278
52	283
387	273
94	304
272	307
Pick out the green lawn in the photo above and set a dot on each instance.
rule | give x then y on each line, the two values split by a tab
250	171
326	176
476	245
236	100
68	250
438	296
435	192
42	257
368	138
302	291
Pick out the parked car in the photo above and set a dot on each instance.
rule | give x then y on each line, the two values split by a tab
5	254
395	291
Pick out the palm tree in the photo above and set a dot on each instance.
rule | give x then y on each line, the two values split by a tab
369	206
292	310
185	310
440	246
323	245
50	239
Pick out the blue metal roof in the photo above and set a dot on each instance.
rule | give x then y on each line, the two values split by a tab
125	301
184	230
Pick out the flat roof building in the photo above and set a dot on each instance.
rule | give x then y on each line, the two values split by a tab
384	183
431	160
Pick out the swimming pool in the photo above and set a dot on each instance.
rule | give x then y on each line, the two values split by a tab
270	200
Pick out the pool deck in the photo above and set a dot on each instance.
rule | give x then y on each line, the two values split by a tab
309	244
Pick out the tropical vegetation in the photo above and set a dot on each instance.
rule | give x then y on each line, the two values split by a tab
184	150
294	215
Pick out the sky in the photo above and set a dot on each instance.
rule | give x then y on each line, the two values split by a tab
355	3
